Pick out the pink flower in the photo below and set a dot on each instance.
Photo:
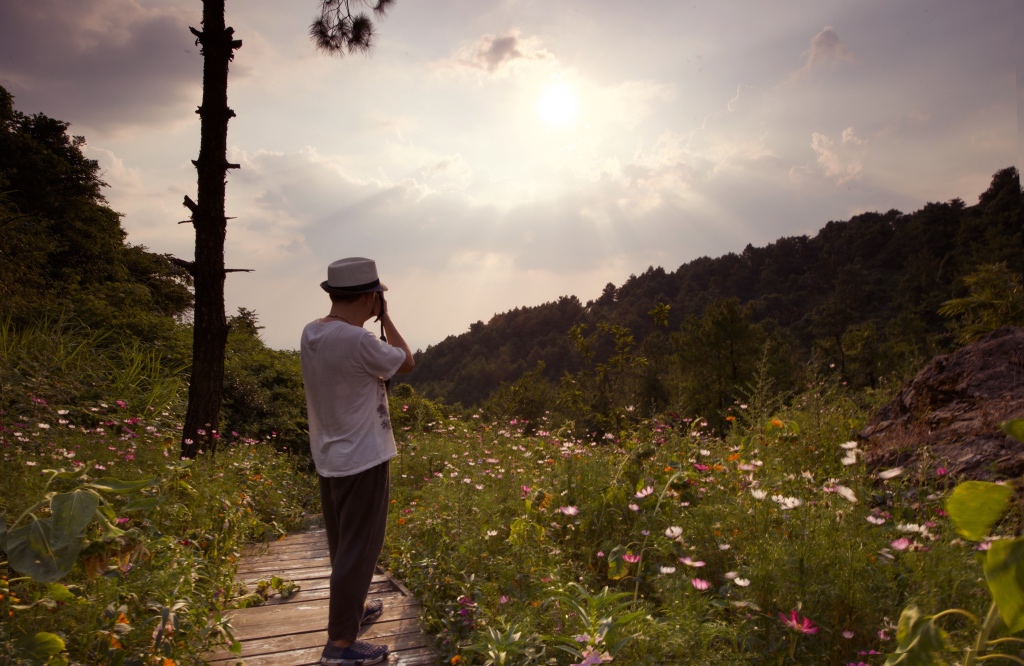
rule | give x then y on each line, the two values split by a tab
600	553
569	510
700	468
691	563
504	599
901	544
122	404
631	558
942	471
799	624
701	584
644	492
525	491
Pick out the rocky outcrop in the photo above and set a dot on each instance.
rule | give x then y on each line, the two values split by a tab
948	416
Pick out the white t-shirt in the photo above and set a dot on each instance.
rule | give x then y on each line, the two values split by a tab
343	370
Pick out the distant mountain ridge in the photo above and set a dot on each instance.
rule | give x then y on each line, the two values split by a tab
879	270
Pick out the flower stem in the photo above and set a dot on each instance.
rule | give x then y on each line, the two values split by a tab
986	628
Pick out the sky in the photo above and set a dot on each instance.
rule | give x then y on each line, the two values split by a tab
492	154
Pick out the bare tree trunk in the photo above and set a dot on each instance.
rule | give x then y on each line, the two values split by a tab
210	328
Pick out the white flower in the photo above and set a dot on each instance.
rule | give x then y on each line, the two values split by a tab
705	452
849	445
758	494
742	582
729	575
850	458
491	533
44	426
673	532
787	502
668	570
846	493
876	520
890	473
807	475
724	546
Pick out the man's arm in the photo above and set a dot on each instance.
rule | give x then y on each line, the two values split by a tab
395	339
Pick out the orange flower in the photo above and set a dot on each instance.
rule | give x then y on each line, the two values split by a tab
457	658
730	418
121	619
401	521
777	423
734	457
667	468
167	662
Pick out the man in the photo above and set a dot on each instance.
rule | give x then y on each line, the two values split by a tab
344	368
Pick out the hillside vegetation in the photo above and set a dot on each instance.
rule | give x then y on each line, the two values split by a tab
861	297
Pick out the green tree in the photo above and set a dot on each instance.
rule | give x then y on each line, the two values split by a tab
995	298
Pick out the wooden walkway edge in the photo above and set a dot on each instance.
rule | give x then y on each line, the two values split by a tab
293	631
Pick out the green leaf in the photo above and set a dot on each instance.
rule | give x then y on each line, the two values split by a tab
67	473
1004	571
30	552
142	504
975	506
45	645
120	487
921	641
1014	428
70	515
58	592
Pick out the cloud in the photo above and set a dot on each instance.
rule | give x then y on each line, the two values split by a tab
826	50
104	63
497	54
838	162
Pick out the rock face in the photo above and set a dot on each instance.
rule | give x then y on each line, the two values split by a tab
949	415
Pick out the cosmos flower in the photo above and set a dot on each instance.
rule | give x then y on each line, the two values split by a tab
700	584
901	544
673	532
668	570
644	492
569	510
890	473
799	624
690	562
631	558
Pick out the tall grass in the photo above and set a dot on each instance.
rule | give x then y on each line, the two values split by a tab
712	539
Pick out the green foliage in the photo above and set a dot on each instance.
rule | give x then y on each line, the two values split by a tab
859	299
975	506
693	543
117	551
263	393
995	299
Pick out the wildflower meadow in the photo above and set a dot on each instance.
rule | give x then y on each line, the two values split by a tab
667	545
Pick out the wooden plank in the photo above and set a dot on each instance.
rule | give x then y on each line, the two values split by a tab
283	618
416	656
292	632
397	634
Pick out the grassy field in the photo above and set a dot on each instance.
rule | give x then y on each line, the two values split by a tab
668	546
661	545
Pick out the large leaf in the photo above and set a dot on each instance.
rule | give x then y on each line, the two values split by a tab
29	551
921	641
119	487
1004	571
70	515
45	645
1014	428
975	506
142	504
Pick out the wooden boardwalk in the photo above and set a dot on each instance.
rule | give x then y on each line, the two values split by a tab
292	632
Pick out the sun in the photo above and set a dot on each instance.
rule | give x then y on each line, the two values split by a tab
558	105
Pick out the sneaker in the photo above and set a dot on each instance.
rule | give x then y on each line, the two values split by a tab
373	609
357	654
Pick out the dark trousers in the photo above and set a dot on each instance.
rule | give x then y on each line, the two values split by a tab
355	515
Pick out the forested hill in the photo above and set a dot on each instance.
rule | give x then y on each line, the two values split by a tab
861	294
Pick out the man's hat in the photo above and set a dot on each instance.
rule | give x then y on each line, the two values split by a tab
354	275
